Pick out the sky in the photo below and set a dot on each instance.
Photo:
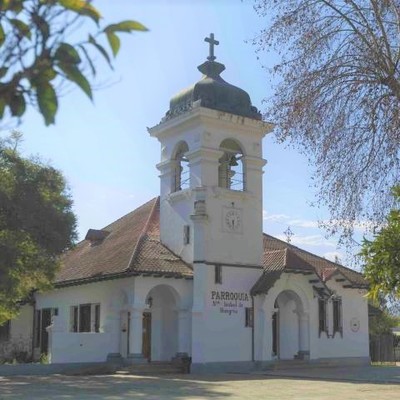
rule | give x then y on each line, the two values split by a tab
103	148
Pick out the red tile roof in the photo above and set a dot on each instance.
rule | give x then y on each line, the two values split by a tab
280	256
324	268
132	246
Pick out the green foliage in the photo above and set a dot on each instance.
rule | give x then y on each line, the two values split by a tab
36	55
36	225
44	358
382	255
382	323
337	99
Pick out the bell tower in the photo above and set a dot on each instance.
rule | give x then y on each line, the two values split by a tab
211	171
211	207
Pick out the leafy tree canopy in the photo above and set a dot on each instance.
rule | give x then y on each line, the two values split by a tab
44	43
381	256
382	323
36	225
338	99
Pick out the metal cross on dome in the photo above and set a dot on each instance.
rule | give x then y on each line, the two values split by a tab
211	42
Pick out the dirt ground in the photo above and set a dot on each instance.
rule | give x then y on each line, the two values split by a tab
189	387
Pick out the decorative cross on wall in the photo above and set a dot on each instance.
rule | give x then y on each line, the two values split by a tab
212	42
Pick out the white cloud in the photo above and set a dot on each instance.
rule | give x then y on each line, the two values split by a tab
308	240
275	217
290	221
331	255
303	223
359	226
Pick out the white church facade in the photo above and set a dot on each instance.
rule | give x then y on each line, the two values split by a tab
190	274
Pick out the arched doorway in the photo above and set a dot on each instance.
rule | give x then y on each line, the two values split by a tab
290	327
160	324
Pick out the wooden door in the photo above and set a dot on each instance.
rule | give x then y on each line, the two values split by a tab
275	334
146	344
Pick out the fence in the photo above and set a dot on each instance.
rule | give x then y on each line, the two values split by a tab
384	348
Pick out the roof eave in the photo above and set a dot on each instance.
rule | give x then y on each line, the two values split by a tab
120	275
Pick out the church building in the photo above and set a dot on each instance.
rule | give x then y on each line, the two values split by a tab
190	274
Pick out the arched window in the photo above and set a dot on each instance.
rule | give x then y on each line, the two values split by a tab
231	174
181	179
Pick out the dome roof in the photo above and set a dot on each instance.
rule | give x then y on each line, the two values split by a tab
214	93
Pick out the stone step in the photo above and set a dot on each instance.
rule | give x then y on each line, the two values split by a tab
288	364
297	364
155	367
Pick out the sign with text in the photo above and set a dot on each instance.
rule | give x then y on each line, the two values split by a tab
229	302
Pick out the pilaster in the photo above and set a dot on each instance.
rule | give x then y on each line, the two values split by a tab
136	335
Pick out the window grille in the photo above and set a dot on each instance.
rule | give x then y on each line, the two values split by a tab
337	316
322	316
85	318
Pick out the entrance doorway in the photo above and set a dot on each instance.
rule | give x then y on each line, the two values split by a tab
146	341
160	324
43	319
44	335
290	327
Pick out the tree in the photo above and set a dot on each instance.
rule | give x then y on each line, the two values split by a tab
44	44
338	99
381	256
36	225
381	320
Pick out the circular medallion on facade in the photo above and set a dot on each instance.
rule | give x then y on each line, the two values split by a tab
355	324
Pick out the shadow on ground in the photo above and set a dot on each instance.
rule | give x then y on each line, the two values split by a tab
104	387
363	374
346	383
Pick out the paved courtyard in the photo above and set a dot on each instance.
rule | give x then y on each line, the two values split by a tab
229	387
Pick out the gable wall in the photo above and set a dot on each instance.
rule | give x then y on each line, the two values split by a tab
354	305
352	344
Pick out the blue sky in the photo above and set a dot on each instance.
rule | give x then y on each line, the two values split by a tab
103	148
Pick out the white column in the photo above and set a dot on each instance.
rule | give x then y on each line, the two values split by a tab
304	335
183	333
167	176
136	334
260	335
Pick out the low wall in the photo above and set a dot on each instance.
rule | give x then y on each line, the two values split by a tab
67	347
49	369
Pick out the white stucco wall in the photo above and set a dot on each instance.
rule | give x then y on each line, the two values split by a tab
21	331
213	330
80	347
115	297
203	130
354	305
219	332
352	344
